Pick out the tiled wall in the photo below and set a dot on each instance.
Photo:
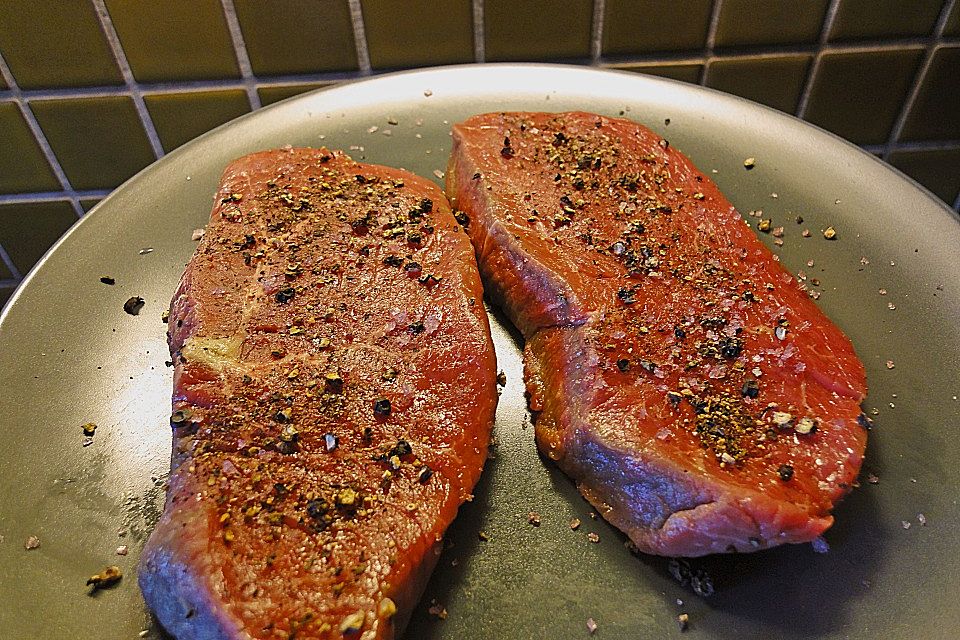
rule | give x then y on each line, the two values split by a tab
93	90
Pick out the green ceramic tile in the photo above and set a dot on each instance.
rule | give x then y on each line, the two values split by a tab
414	33
858	95
175	39
938	171
952	28
55	44
22	165
89	203
100	142
5	294
285	37
537	29
4	274
865	19
269	95
181	117
643	26
760	22
774	81
936	111
28	230
685	72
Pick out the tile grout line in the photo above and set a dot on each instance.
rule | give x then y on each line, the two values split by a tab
240	51
479	32
188	86
52	196
596	31
921	74
360	37
40	137
12	268
711	40
113	39
825	30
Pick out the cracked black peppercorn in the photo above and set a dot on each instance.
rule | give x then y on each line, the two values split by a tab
381	407
730	347
402	448
750	389
133	305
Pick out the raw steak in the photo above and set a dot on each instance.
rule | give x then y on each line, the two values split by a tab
698	397
334	390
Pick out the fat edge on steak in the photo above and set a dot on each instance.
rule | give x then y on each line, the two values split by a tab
334	391
678	373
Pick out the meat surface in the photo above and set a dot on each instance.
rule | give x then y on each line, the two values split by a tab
334	391
698	397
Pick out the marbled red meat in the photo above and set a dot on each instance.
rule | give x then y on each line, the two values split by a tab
698	397
334	390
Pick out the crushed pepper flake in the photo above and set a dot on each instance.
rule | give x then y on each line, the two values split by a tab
437	610
591	626
106	578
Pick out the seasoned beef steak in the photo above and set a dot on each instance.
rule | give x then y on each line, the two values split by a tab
698	397
334	390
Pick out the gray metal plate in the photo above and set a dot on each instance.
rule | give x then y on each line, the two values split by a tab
70	355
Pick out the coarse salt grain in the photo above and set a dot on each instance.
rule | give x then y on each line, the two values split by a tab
591	625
